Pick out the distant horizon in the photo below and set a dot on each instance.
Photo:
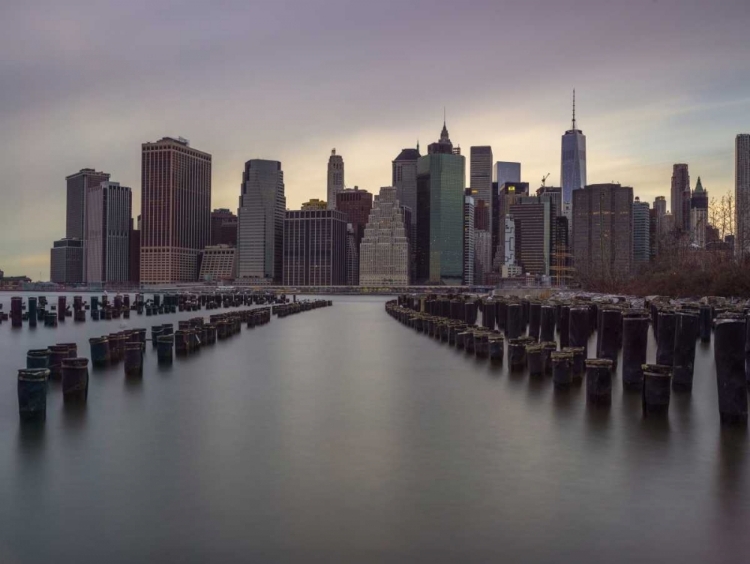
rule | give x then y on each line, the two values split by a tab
272	81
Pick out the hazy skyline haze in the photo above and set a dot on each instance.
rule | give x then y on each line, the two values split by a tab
85	83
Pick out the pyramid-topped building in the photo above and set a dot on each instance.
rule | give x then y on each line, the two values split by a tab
384	251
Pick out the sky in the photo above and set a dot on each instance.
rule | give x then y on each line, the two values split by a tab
84	83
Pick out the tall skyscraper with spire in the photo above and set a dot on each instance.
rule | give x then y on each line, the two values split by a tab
680	195
335	178
698	215
573	167
441	180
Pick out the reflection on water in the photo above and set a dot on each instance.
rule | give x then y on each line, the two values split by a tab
340	435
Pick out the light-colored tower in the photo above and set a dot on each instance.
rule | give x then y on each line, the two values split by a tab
680	196
698	215
384	250
469	242
742	194
573	162
175	210
641	233
335	178
107	248
260	242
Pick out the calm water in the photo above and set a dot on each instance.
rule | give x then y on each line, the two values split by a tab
339	435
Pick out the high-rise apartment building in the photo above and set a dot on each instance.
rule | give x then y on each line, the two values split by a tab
573	162
469	243
175	210
680	194
480	182
506	171
335	177
260	237
223	227
78	185
603	230
107	244
641	233
314	248
384	251
441	180
742	194
698	216
66	261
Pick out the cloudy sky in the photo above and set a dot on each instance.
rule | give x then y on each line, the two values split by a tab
84	83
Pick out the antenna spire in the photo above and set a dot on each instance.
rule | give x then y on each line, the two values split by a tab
574	108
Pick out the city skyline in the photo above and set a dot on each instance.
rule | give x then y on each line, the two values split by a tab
634	133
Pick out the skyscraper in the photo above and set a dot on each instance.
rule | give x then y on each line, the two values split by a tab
314	248
698	216
507	194
66	261
641	233
356	204
680	193
742	193
441	180
384	251
335	178
134	249
404	168
506	171
260	237
107	245
469	243
603	230
77	186
480	183
533	217
175	210
573	167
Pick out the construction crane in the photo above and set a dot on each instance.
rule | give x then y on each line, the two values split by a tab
544	179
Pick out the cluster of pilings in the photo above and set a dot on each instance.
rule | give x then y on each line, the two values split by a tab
61	361
298	307
121	306
58	362
534	329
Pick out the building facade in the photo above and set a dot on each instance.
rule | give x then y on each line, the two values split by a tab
107	244
533	218
66	261
680	194
78	185
603	230
507	194
260	236
480	182
384	251
218	262
404	179
134	250
335	177
441	181
314	248
356	204
352	257
742	194
175	210
573	161
469	242
641	233
223	227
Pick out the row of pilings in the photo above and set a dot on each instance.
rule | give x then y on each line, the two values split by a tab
551	337
61	362
285	310
37	309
